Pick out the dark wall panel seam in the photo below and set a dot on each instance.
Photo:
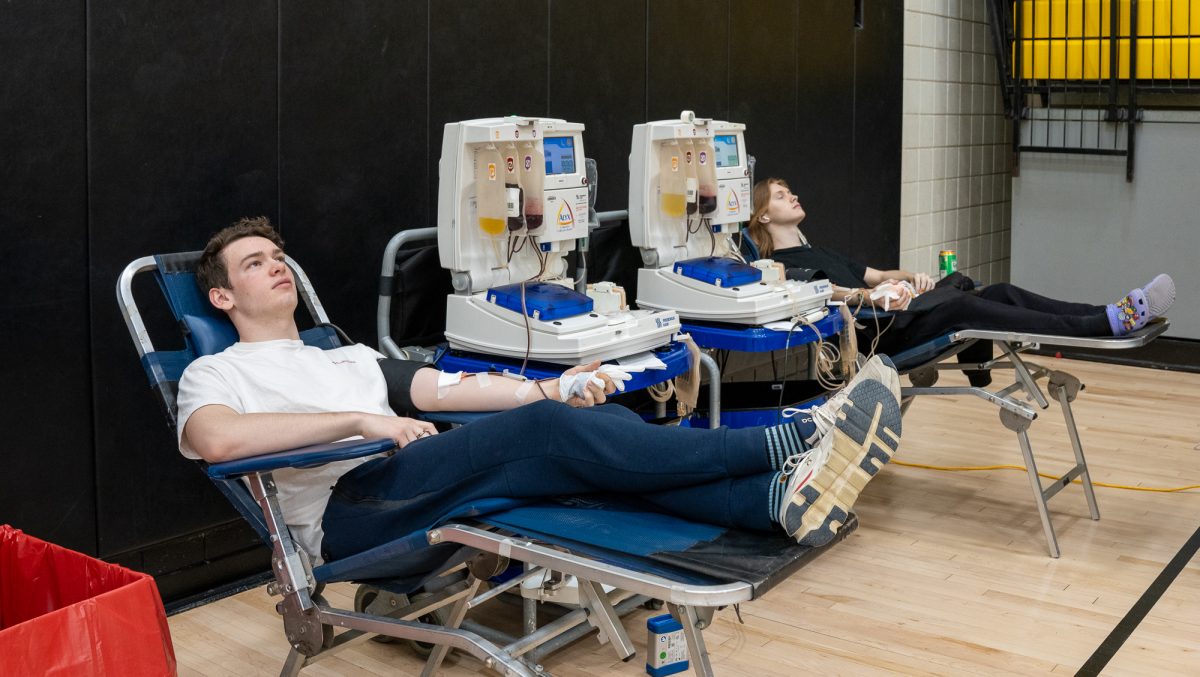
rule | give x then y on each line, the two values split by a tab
279	115
429	135
728	60
796	71
87	253
646	86
854	115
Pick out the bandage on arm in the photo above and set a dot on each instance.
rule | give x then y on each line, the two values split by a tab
433	390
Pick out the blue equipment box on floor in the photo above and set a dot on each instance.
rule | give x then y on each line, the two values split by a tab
544	301
719	271
666	648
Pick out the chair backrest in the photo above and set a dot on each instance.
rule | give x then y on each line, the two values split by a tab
749	249
206	331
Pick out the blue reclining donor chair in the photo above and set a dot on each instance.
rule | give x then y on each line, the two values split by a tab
620	553
921	363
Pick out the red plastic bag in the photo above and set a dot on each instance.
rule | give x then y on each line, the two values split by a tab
64	613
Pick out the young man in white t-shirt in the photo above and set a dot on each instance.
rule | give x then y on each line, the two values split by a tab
269	392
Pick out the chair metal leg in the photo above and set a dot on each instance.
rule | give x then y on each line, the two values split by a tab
1085	477
1023	375
697	652
714	389
529	608
291	666
604	617
457	613
1039	497
581	628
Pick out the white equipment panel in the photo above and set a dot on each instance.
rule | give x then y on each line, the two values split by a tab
512	201
689	192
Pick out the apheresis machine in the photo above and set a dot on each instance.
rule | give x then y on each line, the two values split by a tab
512	201
689	193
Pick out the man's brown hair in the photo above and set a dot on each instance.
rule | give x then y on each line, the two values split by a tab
210	271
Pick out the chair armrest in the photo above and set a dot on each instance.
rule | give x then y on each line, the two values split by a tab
456	417
1135	339
871	312
304	457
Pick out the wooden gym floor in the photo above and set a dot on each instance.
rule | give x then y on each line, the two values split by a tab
947	574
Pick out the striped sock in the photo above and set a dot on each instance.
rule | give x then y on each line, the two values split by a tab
775	495
783	440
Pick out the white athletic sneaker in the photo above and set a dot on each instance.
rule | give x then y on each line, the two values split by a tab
824	416
824	482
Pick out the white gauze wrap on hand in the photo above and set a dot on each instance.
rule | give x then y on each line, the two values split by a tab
575	385
899	292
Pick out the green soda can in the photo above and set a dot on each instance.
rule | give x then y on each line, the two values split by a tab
947	262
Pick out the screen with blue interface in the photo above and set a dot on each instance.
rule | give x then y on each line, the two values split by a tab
560	154
727	150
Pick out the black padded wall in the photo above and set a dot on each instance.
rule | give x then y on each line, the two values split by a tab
878	86
486	58
598	77
182	127
355	159
47	485
823	147
764	36
688	58
134	127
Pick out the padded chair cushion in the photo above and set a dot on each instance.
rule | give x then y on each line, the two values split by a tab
210	335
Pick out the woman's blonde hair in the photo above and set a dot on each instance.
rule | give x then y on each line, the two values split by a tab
758	230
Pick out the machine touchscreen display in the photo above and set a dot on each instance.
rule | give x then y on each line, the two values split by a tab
560	154
727	150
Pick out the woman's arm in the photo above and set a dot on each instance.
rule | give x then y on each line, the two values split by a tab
852	296
920	281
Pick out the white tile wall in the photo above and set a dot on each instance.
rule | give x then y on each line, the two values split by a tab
955	164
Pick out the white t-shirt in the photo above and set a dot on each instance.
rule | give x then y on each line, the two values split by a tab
286	376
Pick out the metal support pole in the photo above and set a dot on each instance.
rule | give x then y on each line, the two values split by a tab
1038	495
1023	375
602	615
457	613
1085	477
714	390
687	617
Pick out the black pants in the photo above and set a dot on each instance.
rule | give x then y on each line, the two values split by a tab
1000	307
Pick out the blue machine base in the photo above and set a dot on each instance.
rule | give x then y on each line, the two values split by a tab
718	271
758	339
544	301
675	355
758	404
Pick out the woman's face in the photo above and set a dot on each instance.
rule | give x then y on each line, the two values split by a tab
784	208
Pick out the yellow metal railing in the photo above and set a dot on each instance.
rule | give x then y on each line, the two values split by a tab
1072	39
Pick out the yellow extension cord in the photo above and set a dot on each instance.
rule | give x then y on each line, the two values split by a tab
948	468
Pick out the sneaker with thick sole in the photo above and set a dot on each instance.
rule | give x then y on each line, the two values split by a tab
824	416
825	482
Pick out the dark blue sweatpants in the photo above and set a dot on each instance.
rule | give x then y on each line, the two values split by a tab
549	449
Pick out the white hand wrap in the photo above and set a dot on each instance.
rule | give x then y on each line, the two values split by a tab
575	385
900	292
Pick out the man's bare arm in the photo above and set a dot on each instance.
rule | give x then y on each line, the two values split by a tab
497	393
218	433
